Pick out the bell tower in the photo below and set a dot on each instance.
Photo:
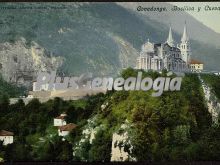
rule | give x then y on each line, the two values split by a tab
185	47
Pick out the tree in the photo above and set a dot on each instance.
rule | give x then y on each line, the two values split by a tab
101	147
33	105
66	153
4	104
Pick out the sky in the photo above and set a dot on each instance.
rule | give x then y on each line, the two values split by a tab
209	18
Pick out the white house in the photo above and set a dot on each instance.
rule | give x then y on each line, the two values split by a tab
66	129
196	66
60	120
6	137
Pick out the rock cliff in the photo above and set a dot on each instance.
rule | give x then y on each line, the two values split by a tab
20	62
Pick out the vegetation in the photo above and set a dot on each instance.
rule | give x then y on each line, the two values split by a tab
32	124
89	30
163	128
213	81
174	126
9	90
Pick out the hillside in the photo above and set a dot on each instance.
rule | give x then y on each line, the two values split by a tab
101	38
6	89
175	126
20	62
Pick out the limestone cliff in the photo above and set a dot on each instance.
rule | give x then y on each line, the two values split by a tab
20	63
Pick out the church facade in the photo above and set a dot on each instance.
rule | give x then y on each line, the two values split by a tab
166	55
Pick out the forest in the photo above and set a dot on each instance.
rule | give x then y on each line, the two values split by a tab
174	126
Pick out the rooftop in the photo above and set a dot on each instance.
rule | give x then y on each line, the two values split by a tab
68	127
193	61
62	116
6	133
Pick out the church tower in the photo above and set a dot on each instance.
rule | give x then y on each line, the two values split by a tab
170	40
185	47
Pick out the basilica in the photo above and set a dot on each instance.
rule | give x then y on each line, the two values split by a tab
166	55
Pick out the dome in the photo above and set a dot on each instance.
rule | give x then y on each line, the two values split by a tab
148	47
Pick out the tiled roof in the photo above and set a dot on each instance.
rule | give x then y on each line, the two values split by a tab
68	127
60	117
193	61
6	133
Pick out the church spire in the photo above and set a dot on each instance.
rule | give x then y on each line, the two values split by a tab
185	37
170	40
185	47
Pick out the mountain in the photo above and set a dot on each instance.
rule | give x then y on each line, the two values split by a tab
19	62
197	30
101	38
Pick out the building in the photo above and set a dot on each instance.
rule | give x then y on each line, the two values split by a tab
6	137
44	87
60	120
166	55
196	66
66	129
63	128
44	93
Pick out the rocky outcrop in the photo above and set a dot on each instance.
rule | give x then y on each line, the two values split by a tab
20	63
121	145
88	135
212	102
